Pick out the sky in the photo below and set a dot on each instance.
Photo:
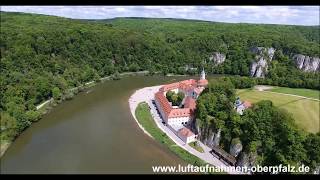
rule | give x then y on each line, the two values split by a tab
292	15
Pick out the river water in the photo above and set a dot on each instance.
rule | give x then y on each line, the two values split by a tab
93	133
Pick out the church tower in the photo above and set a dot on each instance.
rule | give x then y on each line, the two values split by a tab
203	74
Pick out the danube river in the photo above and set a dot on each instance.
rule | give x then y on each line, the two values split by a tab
92	133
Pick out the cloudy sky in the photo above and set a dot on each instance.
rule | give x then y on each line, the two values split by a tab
297	15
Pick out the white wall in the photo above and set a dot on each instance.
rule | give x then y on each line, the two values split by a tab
187	139
191	139
178	120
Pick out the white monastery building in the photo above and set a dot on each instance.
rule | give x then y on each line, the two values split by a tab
178	119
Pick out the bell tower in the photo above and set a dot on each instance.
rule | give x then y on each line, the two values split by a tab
203	74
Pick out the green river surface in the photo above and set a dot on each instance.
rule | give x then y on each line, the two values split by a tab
92	133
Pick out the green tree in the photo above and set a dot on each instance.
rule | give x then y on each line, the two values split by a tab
33	116
56	94
180	97
9	127
134	67
169	95
312	146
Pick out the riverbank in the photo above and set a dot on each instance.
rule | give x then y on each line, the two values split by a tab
186	152
46	106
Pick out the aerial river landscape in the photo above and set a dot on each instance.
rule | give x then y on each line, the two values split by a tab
141	89
92	133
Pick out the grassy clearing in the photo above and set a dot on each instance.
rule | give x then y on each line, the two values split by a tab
297	91
145	119
195	146
306	112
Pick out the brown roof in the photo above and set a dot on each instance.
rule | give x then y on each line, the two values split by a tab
190	103
203	82
167	108
247	104
185	132
226	156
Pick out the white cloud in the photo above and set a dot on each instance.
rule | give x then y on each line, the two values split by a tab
298	15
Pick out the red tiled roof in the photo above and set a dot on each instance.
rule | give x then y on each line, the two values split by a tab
190	103
247	104
198	90
164	103
167	108
171	86
203	82
185	132
182	112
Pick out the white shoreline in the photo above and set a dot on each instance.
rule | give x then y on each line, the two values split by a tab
44	103
135	99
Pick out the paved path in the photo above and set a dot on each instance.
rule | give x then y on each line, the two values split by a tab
147	95
303	97
266	88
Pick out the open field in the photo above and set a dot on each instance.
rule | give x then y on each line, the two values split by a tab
297	91
306	112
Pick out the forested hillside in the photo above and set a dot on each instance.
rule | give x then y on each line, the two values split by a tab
44	56
265	135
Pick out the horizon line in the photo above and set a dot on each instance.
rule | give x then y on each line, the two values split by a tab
170	18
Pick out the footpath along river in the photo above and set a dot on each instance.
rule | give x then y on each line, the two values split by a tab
93	133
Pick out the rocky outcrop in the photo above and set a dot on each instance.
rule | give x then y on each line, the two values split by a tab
259	69
262	51
208	137
247	160
243	160
235	147
259	66
306	63
217	137
217	58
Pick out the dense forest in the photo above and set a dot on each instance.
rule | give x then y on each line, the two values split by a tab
268	135
42	57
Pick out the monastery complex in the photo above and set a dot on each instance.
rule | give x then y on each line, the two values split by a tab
180	118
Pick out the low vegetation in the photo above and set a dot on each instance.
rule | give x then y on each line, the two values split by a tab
196	146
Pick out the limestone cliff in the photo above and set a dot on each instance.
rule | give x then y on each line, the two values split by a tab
217	58
235	147
247	159
306	63
259	66
209	137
